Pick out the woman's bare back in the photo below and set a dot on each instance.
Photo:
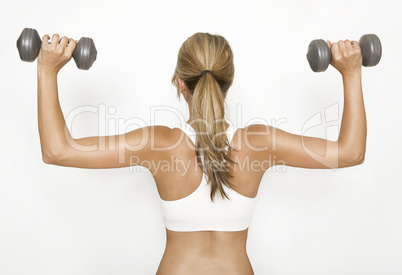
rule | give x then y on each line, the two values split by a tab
204	252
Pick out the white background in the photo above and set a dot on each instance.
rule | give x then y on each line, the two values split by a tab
57	220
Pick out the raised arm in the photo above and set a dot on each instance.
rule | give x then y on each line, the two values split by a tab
309	152
58	146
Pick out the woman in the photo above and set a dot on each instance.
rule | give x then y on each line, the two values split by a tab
208	200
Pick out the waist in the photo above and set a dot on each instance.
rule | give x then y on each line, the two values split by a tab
206	252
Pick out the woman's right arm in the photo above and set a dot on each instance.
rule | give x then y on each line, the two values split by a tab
310	152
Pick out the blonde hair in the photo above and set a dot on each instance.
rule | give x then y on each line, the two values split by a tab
200	52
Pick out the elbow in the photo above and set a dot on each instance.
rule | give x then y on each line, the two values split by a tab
46	159
351	154
358	159
354	159
52	157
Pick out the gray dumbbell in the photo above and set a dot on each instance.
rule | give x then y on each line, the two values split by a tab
29	44
319	54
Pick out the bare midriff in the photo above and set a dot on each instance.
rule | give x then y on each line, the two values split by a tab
205	252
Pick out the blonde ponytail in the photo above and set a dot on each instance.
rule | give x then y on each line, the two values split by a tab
205	63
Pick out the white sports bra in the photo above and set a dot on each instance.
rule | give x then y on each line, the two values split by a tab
197	212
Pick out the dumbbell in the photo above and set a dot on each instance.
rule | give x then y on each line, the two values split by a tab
319	54
29	44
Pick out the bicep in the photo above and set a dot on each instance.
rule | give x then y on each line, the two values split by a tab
303	151
283	148
115	151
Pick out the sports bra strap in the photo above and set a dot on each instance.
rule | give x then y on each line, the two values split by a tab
190	132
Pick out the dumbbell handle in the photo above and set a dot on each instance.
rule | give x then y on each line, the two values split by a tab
29	44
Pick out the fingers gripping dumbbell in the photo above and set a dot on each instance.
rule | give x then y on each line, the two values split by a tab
29	44
319	54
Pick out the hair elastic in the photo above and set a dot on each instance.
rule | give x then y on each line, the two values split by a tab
206	71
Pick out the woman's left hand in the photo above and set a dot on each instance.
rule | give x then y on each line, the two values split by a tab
53	56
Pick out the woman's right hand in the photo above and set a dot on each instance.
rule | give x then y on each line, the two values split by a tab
346	56
53	56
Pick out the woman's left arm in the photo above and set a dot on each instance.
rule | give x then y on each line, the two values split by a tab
58	146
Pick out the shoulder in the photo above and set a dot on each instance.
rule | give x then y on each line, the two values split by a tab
164	137
260	128
256	136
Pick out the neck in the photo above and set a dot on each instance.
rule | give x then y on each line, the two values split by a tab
190	119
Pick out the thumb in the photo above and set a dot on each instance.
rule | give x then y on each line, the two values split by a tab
329	44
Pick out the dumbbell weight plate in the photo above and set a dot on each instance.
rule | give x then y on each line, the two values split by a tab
29	44
371	48
318	55
85	53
